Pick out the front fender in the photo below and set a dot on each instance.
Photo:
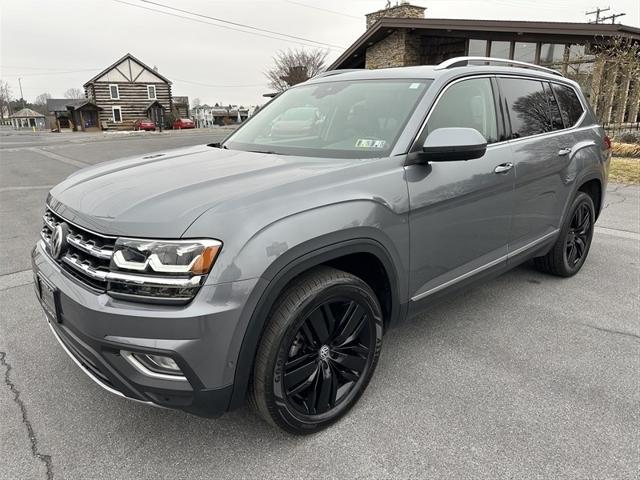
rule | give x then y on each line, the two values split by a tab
284	248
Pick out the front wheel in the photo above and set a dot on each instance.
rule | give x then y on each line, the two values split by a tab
570	251
319	350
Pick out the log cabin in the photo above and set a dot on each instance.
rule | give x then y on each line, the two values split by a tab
128	90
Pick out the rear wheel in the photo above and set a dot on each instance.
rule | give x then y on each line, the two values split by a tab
572	247
318	352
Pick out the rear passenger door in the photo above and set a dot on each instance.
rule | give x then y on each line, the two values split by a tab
541	150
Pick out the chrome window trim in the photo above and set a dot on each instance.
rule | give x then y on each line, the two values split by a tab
486	266
135	363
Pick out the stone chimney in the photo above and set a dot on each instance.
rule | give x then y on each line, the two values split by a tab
402	9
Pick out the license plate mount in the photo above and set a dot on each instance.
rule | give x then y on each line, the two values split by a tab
48	295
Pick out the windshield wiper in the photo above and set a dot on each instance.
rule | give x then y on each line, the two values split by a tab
217	145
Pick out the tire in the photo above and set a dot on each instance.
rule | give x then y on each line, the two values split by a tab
318	351
570	251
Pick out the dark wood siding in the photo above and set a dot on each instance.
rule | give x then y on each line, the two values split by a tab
133	101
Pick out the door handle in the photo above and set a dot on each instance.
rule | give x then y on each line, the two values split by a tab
503	168
564	151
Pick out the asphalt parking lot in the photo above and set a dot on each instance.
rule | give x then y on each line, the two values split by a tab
525	376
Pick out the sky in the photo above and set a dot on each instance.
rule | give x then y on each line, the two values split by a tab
53	45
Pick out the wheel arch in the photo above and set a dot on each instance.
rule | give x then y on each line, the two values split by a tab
593	188
284	270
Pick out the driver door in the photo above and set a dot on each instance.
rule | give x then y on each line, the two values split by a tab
460	210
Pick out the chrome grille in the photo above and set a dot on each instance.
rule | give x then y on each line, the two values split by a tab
88	258
88	254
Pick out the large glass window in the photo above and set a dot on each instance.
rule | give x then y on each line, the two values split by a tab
477	48
500	49
552	53
524	52
570	106
578	53
528	107
467	104
351	119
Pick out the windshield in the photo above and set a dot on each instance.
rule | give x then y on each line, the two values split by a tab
351	119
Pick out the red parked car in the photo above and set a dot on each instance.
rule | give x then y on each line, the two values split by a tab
183	123
144	124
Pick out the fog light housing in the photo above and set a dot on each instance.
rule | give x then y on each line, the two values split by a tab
151	365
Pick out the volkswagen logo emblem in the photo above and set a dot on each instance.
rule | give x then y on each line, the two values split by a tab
325	353
59	240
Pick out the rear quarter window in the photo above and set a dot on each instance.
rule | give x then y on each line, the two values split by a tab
569	103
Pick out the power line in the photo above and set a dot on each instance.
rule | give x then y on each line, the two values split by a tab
50	73
22	67
243	25
208	23
322	9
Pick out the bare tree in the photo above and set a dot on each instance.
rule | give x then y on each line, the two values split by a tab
5	99
42	99
74	93
295	66
617	64
195	102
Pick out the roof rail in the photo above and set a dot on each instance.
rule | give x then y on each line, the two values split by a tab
464	61
330	73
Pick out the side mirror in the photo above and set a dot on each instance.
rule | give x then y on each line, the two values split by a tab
450	145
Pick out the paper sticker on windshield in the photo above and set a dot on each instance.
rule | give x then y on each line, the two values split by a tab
413	86
370	143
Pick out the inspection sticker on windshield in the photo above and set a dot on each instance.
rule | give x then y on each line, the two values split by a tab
370	143
413	86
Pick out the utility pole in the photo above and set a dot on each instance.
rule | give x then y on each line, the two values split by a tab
613	17
21	95
597	11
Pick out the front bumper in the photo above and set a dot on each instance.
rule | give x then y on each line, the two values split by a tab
201	337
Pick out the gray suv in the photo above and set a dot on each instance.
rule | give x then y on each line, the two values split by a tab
269	266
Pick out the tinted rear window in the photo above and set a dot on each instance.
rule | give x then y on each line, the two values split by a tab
570	106
556	117
528	106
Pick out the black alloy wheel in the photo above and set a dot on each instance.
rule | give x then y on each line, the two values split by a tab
318	352
578	236
570	251
327	356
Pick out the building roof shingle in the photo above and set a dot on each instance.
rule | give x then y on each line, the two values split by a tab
26	113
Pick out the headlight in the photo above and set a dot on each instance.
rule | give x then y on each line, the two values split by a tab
171	270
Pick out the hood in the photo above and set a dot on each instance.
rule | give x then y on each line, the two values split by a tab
160	195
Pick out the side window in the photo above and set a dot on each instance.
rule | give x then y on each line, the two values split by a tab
556	117
114	92
570	106
469	104
528	107
117	114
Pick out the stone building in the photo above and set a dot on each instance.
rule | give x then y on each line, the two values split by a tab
603	58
